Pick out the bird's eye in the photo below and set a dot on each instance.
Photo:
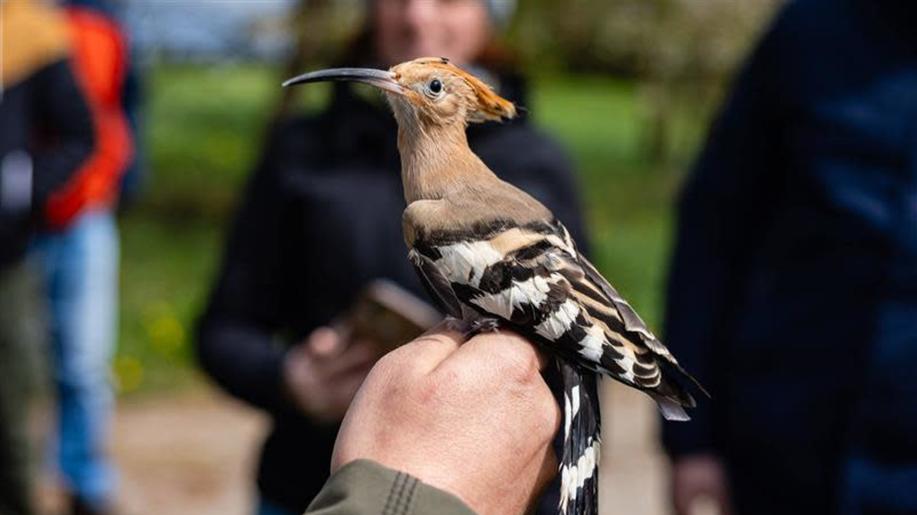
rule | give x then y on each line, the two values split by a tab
435	86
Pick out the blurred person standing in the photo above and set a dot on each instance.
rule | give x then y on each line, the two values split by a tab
321	219
78	255
45	136
793	289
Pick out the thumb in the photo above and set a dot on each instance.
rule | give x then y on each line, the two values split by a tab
325	342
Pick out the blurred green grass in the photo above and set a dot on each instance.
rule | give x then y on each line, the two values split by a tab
204	126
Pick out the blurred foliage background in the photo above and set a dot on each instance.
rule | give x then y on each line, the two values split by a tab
629	86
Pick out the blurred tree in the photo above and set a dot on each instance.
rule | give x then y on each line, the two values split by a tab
320	29
681	51
692	49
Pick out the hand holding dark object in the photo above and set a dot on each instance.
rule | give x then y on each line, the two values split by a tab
475	420
697	478
323	373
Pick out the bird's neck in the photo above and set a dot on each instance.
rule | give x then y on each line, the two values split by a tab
436	161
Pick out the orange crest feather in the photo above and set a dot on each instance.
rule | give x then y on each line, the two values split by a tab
490	106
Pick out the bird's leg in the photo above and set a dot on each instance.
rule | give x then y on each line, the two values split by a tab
456	324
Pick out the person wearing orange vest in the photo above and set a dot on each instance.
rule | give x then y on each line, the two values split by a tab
78	254
45	136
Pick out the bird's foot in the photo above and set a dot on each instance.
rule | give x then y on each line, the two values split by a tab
472	328
483	325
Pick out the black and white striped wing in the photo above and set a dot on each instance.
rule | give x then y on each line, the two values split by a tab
533	278
437	285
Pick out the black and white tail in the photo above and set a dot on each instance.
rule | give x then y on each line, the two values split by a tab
579	463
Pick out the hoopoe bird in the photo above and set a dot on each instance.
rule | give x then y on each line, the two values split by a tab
491	255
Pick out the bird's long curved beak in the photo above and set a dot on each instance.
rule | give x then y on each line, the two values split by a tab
382	79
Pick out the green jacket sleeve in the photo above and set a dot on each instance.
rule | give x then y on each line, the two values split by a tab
364	487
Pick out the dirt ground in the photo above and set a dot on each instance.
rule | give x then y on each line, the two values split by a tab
194	453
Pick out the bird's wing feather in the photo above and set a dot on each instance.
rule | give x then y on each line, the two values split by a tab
632	321
437	286
533	277
634	324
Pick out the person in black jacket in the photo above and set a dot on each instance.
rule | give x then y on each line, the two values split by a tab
321	218
793	290
45	135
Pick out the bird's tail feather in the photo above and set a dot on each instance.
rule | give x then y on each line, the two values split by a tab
579	464
672	397
670	409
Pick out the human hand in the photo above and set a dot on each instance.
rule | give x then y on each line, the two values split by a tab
323	373
698	478
475	420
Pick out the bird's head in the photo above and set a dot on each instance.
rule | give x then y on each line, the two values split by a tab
429	91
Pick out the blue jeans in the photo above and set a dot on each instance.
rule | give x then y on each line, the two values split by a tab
80	267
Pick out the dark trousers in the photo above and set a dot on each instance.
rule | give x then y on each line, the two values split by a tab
21	346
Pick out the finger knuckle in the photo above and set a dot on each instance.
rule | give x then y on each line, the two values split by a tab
549	412
515	362
430	339
388	362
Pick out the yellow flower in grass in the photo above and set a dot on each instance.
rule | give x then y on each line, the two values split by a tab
128	374
164	330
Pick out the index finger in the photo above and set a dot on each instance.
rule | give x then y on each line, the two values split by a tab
503	348
430	349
